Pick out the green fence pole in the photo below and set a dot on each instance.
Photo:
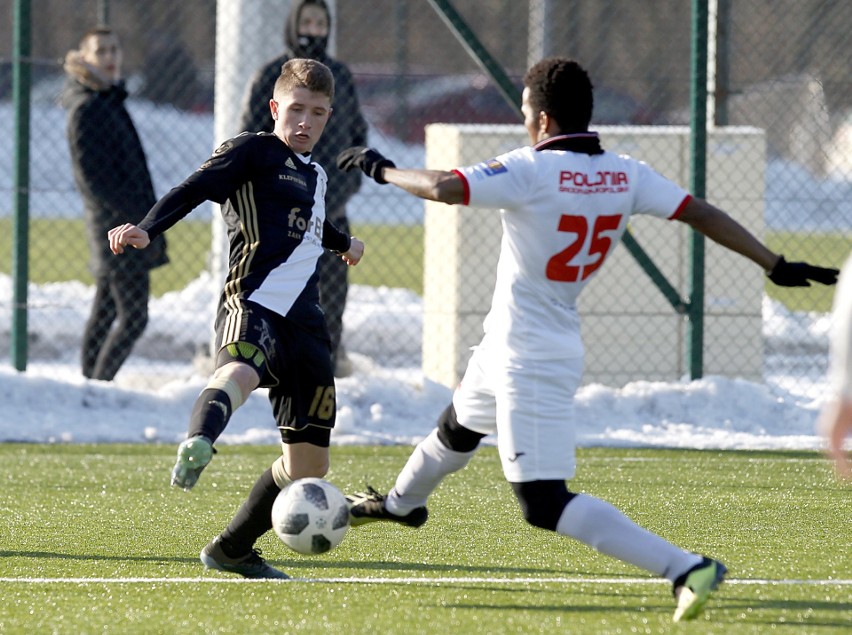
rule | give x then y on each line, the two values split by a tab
697	168
722	66
478	52
103	12
21	178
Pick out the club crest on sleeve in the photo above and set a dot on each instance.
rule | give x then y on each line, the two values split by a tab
227	145
492	167
222	149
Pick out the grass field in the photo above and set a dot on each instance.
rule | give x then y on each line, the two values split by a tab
394	257
58	253
95	541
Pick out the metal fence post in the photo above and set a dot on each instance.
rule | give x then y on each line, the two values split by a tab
697	169
103	12
20	227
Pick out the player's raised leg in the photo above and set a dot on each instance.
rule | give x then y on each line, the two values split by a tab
601	526
231	384
447	449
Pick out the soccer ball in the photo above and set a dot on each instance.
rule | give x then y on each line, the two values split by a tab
310	516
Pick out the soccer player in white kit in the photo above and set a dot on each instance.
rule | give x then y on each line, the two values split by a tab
565	203
835	420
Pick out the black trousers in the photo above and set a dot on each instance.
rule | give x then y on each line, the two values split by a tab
119	316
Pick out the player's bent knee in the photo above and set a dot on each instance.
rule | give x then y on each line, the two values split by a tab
284	476
309	471
279	473
455	436
244	362
542	502
304	461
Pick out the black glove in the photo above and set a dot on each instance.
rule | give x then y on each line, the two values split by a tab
798	274
370	161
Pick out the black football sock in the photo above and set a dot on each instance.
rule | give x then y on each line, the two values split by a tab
210	414
253	519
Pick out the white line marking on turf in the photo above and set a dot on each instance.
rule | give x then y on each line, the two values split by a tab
369	580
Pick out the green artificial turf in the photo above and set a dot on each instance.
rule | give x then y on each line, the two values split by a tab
94	540
59	253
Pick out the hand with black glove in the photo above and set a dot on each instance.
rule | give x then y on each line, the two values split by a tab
370	161
799	274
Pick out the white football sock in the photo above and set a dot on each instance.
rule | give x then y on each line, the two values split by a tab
430	462
604	528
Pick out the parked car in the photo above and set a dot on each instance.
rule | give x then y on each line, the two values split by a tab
401	108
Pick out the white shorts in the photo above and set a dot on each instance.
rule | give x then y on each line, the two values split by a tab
529	404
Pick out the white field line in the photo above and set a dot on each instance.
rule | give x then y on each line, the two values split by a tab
424	581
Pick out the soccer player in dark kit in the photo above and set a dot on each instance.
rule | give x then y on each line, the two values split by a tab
270	328
306	34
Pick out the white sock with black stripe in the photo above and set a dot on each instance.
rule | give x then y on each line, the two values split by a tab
603	527
430	462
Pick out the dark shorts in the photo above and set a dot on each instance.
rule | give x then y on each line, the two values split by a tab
294	364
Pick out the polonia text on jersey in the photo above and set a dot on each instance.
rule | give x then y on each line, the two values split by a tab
599	182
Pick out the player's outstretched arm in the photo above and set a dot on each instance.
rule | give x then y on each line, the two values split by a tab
721	228
433	185
127	235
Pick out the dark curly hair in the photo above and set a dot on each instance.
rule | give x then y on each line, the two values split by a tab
561	88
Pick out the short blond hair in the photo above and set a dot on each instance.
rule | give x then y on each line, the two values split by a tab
305	73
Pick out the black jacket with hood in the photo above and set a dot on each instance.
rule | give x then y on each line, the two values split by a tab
345	128
111	172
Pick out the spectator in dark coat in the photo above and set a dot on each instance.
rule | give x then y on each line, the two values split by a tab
306	35
112	175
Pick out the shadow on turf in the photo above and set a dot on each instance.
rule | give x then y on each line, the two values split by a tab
381	565
314	564
570	604
68	556
723	608
795	608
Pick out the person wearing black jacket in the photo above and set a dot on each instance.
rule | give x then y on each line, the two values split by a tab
270	329
306	35
111	172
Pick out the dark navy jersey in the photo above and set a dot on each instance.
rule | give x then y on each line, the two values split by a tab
273	203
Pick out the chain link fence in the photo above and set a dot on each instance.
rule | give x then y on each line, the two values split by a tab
780	67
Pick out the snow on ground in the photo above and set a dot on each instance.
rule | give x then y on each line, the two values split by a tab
383	403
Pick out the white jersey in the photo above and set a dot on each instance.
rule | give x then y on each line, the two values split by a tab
563	212
840	369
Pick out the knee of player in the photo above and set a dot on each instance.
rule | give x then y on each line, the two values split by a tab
309	471
542	502
241	377
284	473
455	436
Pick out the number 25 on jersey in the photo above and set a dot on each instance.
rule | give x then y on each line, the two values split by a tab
559	267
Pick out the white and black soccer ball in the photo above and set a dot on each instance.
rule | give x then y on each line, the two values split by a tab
310	516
